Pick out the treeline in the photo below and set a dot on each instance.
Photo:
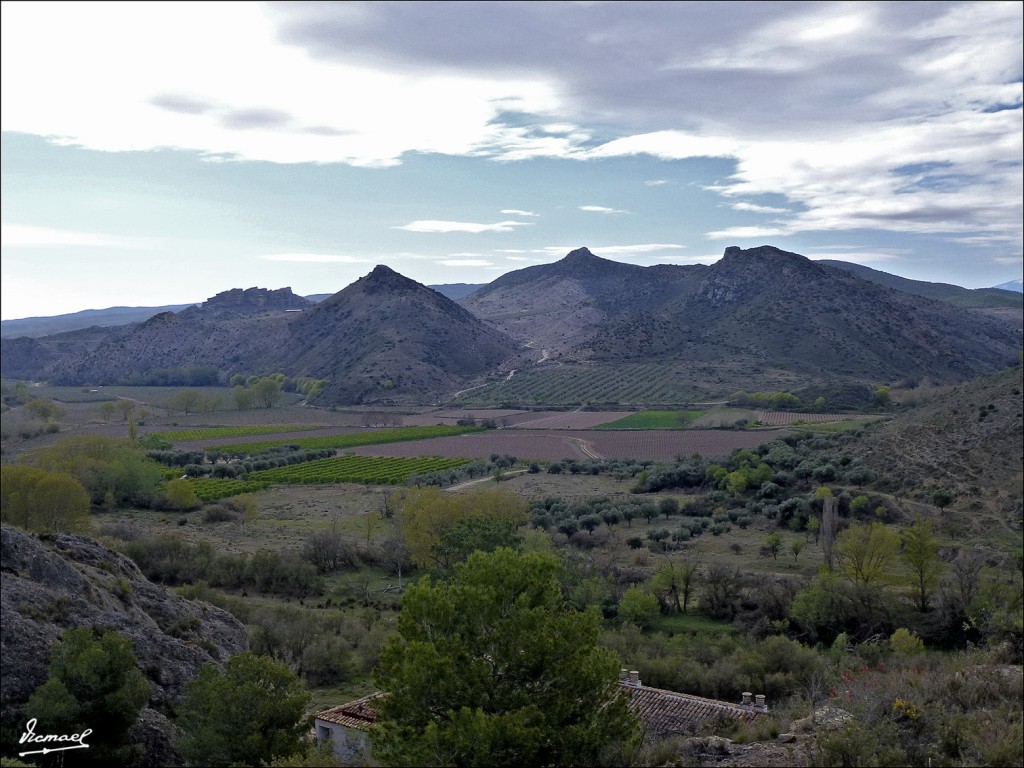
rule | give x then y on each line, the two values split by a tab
173	562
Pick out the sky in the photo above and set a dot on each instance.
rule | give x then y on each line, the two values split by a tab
159	153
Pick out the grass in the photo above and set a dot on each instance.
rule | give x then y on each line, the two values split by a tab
351	440
212	432
692	623
654	420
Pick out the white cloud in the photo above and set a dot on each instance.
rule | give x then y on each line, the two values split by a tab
751	208
656	182
315	258
23	236
467	263
600	209
638	248
429	225
870	89
516	212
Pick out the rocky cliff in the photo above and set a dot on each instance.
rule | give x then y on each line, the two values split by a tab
51	584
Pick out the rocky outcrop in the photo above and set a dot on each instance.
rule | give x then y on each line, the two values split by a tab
256	300
51	584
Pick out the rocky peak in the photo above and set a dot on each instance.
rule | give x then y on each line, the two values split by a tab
384	278
255	300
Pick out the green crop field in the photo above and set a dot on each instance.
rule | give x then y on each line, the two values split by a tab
212	432
365	470
654	420
355	438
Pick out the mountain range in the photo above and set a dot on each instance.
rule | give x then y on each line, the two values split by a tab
758	319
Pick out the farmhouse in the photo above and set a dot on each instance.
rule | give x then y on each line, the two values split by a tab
661	713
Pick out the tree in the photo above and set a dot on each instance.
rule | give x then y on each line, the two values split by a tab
668	507
796	547
477	534
186	400
942	497
674	582
43	502
921	554
494	668
44	408
721	591
425	515
864	554
179	494
241	397
267	392
126	407
829	523
249	714
94	683
773	543
107	411
638	607
883	396
116	470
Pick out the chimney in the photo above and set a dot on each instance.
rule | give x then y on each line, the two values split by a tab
623	675
759	703
747	698
634	678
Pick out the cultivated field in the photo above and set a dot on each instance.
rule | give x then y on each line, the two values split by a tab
653	445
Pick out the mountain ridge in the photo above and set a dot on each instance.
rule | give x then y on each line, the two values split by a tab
759	318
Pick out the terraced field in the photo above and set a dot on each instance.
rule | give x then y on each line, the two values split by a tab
633	383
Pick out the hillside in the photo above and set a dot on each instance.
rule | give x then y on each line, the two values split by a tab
967	440
62	581
46	326
35	327
389	338
759	319
1001	301
384	338
560	307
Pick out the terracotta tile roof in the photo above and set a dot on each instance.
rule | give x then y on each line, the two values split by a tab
660	711
358	714
670	712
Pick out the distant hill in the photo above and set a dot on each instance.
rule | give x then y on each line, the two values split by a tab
1017	286
756	319
45	326
996	300
36	327
760	319
384	338
560	307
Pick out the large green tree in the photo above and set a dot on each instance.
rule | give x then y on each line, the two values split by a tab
921	554
494	668
112	471
94	683
43	502
249	714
